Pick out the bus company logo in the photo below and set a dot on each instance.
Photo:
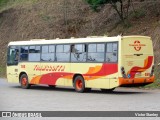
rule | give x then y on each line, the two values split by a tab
58	68
137	45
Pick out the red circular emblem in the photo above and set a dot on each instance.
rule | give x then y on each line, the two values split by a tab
137	45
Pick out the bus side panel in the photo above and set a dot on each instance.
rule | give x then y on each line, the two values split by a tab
31	69
55	73
12	73
93	74
51	74
112	78
97	75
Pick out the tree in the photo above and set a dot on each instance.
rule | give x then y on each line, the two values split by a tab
120	6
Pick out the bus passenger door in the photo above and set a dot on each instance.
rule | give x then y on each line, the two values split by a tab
12	64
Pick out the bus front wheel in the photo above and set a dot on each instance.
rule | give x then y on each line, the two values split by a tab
79	84
24	81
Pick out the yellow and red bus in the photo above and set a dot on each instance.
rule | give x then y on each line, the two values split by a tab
83	63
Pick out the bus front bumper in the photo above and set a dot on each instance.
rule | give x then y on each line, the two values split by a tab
135	81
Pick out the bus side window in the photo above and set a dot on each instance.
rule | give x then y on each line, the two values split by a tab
73	49
78	53
24	53
62	53
96	52
48	53
34	53
112	53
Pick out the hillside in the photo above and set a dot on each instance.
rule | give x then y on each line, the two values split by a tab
49	19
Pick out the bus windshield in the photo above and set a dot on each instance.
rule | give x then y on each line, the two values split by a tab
13	55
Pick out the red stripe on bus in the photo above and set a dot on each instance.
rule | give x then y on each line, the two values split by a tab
106	69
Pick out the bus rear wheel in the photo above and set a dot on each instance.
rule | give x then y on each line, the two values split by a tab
24	81
79	84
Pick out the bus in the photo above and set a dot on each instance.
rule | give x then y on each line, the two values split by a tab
82	63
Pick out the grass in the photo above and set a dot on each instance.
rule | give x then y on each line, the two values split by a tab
156	84
0	20
16	2
6	4
3	2
2	71
139	13
46	17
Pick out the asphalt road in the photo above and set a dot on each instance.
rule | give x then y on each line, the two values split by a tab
42	98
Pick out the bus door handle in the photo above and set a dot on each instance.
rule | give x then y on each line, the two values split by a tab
138	54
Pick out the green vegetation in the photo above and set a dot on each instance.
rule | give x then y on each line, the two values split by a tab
6	4
94	4
21	1
122	9
138	14
3	2
156	84
46	17
0	21
2	71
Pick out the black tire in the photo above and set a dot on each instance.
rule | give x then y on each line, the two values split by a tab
79	84
52	86
24	81
107	90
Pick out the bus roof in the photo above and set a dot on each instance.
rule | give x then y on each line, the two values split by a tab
137	36
71	40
